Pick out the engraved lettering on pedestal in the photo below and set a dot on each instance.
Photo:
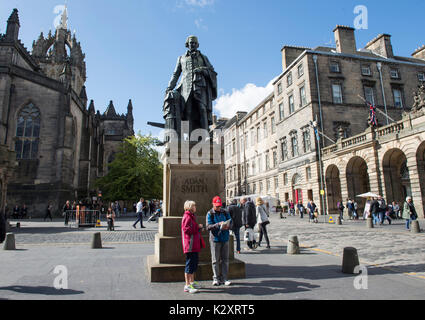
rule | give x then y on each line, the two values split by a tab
194	185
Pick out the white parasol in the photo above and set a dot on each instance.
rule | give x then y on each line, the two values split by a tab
368	195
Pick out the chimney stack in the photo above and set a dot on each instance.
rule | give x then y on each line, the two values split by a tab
290	54
345	40
419	53
382	46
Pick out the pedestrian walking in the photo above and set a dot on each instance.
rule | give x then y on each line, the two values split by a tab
139	211
48	212
218	225
193	243
66	211
396	210
350	209
291	208
249	219
145	208
341	208
356	210
311	208
110	217
409	212
262	221
382	209
301	209
236	215
117	208
374	210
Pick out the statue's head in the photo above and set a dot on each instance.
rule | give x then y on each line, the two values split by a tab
192	43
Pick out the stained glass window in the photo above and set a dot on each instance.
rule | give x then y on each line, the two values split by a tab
27	133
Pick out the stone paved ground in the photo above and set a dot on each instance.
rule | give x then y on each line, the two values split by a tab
386	246
38	232
119	270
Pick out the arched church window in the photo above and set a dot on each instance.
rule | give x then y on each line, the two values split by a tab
27	133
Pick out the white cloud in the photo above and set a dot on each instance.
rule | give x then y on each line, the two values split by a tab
194	3
199	3
200	24
244	99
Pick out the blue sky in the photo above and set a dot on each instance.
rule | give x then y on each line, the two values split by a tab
132	46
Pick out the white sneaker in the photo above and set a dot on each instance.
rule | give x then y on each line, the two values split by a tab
215	283
227	283
190	289
196	285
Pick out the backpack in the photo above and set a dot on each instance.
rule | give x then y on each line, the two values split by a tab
382	204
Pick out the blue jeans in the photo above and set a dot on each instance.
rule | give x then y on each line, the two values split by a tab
238	238
375	218
408	222
381	217
139	219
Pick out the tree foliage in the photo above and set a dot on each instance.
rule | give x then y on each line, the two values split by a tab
135	172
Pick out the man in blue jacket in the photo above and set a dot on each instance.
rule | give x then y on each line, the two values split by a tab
219	224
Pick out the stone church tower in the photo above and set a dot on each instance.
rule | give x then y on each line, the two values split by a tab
62	144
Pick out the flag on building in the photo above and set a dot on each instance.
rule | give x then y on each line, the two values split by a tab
373	122
317	134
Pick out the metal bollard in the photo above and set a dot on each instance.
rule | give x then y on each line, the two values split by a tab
96	241
369	223
9	242
293	245
350	260
415	227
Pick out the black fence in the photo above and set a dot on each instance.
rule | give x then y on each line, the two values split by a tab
83	218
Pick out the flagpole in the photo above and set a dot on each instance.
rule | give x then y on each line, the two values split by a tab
379	65
381	112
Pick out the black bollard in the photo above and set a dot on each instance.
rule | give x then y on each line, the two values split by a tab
97	241
350	260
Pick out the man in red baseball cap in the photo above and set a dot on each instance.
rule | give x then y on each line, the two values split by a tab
218	224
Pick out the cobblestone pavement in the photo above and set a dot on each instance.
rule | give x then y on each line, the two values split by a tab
394	257
37	232
390	247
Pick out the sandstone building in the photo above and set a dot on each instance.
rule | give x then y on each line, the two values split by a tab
330	86
62	143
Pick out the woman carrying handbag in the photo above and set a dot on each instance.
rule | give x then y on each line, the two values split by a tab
262	221
193	243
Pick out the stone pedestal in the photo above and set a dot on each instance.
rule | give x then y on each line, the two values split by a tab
200	181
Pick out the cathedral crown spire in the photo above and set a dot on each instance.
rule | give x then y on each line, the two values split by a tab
64	19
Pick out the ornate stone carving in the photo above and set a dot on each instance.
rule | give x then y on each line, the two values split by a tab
419	97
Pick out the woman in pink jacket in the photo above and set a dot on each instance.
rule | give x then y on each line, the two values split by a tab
192	245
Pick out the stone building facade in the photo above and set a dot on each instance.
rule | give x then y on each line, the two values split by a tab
61	143
331	86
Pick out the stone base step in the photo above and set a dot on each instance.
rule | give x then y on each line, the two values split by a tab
175	272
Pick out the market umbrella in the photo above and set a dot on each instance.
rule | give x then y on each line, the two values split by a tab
368	195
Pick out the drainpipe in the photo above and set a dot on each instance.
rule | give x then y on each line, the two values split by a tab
321	141
318	95
379	65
